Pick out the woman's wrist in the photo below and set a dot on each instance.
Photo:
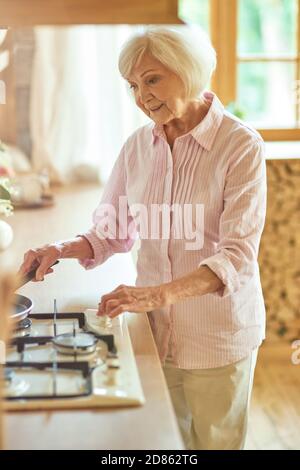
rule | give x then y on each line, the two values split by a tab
169	293
199	282
78	248
173	292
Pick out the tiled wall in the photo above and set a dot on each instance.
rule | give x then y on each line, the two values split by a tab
279	256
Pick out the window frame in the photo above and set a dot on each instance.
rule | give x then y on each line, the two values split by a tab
224	24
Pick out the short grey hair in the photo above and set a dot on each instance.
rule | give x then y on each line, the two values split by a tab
185	50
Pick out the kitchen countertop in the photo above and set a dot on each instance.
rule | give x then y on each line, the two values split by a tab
151	426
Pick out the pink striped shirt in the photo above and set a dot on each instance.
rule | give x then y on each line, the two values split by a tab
220	164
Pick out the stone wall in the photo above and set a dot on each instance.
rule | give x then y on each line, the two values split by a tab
279	256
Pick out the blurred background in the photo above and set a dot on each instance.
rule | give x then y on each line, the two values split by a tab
66	99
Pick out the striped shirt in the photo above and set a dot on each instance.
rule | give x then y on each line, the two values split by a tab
220	166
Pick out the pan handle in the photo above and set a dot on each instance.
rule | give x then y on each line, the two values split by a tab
31	274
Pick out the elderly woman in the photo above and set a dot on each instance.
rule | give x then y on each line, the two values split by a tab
203	300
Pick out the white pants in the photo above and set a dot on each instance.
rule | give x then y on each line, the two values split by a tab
211	405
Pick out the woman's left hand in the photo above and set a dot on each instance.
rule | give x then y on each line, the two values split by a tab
133	299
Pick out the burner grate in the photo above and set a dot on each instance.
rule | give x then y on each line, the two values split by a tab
82	367
23	324
60	316
107	338
21	342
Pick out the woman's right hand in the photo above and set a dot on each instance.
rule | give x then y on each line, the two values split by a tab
42	258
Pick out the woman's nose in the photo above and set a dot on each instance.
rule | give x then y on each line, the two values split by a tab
144	96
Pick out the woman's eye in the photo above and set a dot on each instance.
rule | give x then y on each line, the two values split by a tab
150	81
153	80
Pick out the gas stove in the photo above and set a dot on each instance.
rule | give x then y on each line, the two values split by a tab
71	360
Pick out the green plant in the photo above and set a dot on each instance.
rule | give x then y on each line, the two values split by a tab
235	109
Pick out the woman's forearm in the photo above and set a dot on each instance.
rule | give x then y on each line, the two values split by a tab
199	282
78	248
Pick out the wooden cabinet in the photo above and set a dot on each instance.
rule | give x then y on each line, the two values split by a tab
62	12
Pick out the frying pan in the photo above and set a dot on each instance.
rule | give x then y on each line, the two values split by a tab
22	305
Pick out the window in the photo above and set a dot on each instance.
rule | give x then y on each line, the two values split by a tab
258	48
195	11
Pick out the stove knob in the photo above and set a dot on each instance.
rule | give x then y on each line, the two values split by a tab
112	361
112	374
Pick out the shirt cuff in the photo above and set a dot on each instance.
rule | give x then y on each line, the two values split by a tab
100	249
225	271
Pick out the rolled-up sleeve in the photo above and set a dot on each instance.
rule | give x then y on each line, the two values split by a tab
243	217
121	234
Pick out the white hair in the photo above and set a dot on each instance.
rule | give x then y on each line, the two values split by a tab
185	50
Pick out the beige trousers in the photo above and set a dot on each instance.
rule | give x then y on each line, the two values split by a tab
211	405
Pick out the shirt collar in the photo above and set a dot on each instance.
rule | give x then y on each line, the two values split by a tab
205	132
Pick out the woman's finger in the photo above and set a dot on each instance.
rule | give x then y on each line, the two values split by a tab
40	258
110	305
30	262
44	266
118	310
106	297
111	296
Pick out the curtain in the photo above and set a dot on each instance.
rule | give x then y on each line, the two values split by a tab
81	111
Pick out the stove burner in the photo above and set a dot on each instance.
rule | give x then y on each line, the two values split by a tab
23	324
81	343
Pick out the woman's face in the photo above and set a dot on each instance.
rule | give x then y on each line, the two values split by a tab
158	91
